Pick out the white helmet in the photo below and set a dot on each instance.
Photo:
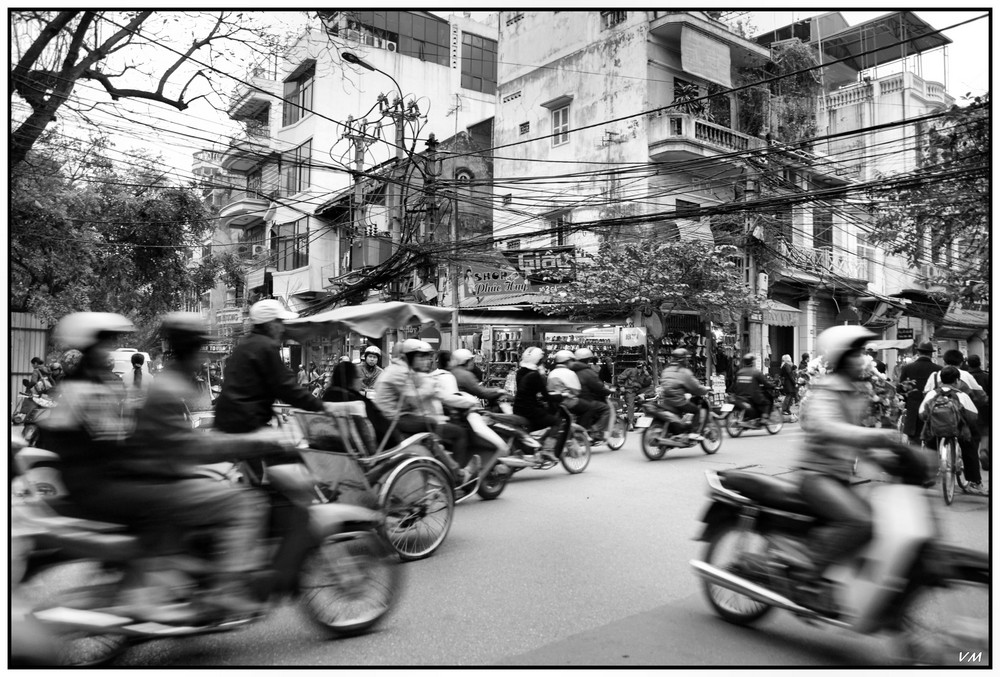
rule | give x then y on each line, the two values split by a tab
584	354
84	330
461	356
372	350
835	342
415	346
532	357
562	356
269	310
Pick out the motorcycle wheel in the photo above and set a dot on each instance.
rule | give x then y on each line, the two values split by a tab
419	504
946	452
650	449
775	422
734	423
349	583
494	483
713	437
616	438
576	452
84	584
939	624
725	550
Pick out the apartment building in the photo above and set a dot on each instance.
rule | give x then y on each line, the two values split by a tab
408	75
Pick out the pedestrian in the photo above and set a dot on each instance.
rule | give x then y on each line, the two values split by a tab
632	381
804	362
136	381
607	371
918	371
314	372
789	384
370	369
39	382
302	377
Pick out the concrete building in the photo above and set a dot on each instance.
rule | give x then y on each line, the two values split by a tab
302	113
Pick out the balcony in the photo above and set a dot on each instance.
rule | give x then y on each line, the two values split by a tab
248	100
931	92
824	262
676	137
673	26
244	210
248	150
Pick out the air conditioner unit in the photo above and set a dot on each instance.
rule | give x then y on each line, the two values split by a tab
391	46
380	43
370	40
259	250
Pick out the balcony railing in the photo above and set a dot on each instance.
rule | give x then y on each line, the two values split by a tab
707	136
891	84
823	261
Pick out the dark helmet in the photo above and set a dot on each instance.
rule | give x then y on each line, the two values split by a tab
185	332
679	354
749	359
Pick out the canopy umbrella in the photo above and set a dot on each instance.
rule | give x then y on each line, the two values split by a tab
370	319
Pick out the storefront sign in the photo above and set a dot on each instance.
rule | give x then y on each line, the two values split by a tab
632	336
904	332
493	281
545	265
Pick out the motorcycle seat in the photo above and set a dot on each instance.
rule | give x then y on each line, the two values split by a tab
767	490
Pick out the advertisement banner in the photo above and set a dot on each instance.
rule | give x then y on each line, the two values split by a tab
632	336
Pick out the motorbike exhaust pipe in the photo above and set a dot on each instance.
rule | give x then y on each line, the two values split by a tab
758	593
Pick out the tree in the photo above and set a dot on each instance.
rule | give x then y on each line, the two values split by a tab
172	58
86	234
940	213
656	278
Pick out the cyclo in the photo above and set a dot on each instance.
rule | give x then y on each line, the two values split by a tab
416	491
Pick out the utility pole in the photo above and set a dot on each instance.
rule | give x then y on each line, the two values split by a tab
400	114
453	270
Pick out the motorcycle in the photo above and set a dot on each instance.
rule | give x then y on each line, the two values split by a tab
756	527
80	579
29	410
736	421
569	445
663	429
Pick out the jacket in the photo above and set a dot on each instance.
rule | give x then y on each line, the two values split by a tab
400	390
675	381
789	378
256	378
467	383
832	418
592	388
751	384
369	376
564	380
633	380
531	396
447	390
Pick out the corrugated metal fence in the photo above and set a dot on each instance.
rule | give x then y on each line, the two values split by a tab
28	338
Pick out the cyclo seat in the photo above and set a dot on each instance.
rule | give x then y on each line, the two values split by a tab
509	419
772	492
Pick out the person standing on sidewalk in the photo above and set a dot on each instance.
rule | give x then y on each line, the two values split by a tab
633	381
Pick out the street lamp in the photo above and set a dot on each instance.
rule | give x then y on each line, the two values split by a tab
351	57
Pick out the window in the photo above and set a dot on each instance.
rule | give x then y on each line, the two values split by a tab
783	222
255	183
290	245
867	255
295	170
525	127
560	126
687	210
479	63
822	228
298	95
559	225
612	18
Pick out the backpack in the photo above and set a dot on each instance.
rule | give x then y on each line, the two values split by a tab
944	415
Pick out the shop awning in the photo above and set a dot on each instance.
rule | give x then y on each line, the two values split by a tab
778	314
902	344
500	317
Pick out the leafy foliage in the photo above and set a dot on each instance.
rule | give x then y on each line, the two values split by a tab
942	215
656	278
88	235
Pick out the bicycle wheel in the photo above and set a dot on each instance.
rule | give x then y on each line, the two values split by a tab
775	422
576	452
713	437
946	454
734	423
349	583
959	467
650	449
419	503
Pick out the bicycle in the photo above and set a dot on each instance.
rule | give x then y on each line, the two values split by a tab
950	467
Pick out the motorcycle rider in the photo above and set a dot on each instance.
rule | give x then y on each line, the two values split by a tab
832	418
462	365
563	380
405	392
750	384
460	405
676	380
531	399
370	369
593	408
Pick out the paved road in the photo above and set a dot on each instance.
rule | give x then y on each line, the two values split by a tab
589	569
